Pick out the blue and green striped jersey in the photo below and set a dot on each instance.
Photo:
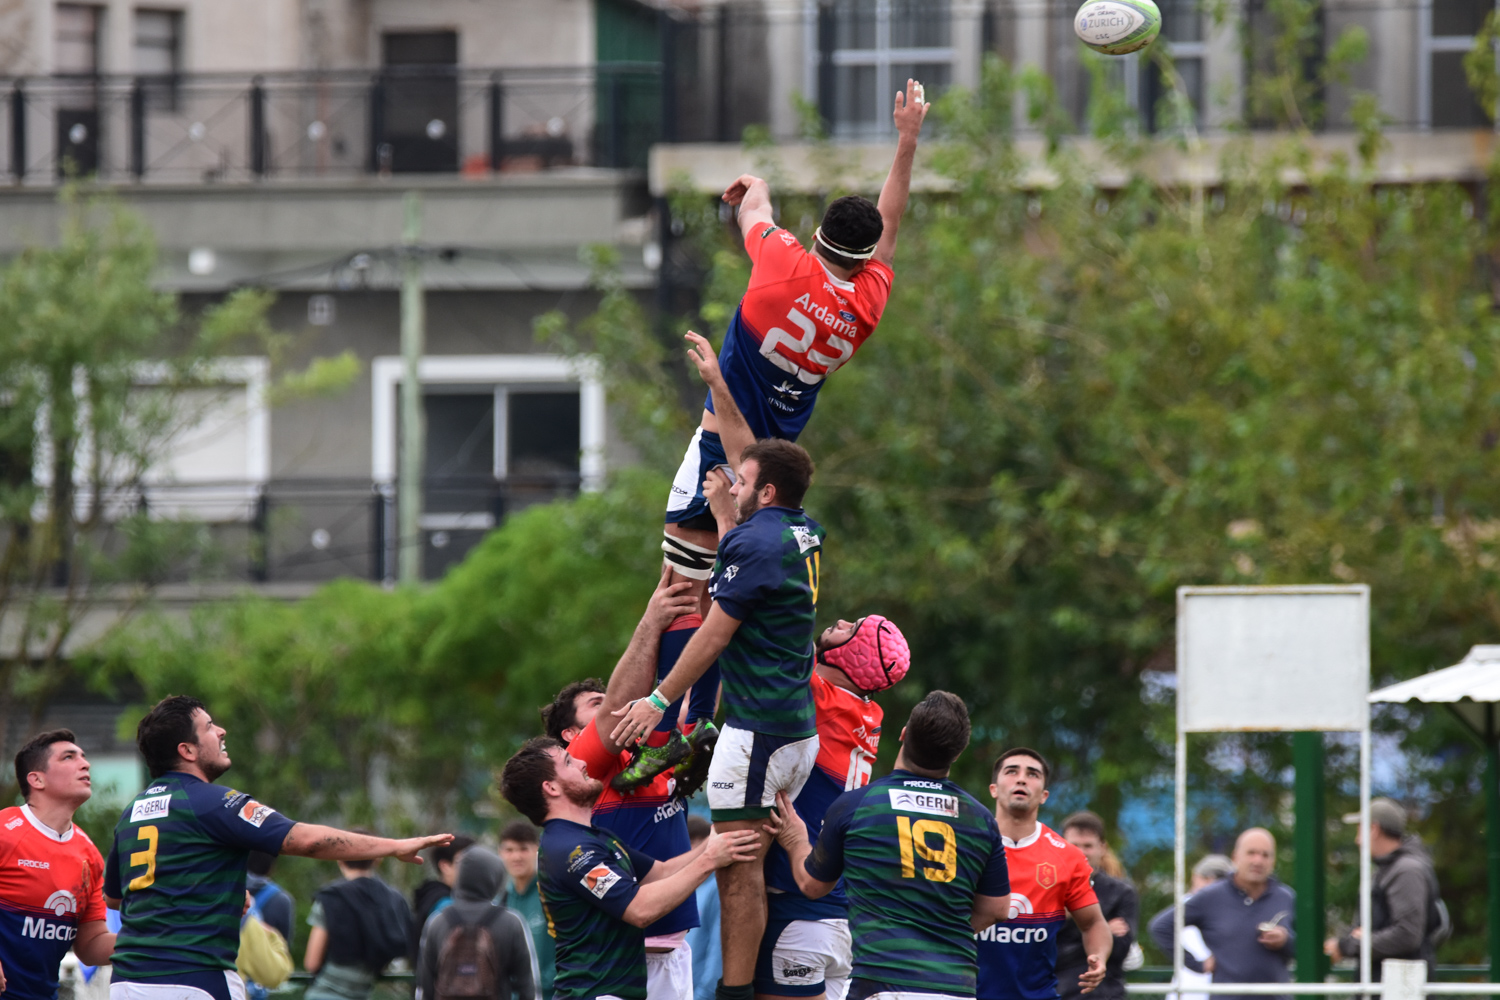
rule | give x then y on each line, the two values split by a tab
177	862
766	576
587	878
913	852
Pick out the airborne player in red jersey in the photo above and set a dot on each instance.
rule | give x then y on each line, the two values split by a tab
803	316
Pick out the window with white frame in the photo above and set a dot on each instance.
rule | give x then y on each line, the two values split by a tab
158	55
867	49
1446	30
1183	27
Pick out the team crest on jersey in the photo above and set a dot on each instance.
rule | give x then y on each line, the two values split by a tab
579	858
1046	874
600	879
1019	905
805	538
254	813
156	807
234	799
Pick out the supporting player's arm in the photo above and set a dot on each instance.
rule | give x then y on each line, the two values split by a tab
1098	942
632	676
94	944
669	883
988	911
909	113
311	840
734	432
702	650
791	833
752	196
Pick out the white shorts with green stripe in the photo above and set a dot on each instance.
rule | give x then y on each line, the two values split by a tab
748	770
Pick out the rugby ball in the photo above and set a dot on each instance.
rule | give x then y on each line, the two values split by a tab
1117	27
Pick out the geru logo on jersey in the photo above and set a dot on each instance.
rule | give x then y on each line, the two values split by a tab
924	802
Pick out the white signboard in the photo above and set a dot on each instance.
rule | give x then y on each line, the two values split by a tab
1261	659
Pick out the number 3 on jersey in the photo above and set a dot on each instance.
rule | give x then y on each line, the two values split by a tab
913	837
149	834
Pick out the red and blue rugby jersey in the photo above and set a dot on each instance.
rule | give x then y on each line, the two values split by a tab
50	885
1049	878
796	325
648	820
848	740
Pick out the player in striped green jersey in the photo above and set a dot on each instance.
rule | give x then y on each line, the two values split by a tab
176	868
921	859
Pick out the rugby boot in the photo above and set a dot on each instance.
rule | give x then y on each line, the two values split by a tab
651	761
693	772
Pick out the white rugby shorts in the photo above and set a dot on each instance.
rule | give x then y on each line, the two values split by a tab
669	974
748	769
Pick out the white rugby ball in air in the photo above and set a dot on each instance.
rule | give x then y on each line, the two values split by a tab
1117	27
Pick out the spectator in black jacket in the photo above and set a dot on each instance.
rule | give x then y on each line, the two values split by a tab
1403	897
1117	898
435	893
481	874
277	907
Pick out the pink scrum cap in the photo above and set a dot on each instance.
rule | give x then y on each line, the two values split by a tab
875	656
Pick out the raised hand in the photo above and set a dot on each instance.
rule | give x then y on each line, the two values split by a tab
735	193
911	111
702	355
409	850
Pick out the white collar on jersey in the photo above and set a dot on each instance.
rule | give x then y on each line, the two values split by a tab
838	282
44	829
1026	841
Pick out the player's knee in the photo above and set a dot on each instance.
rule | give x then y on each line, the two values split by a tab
695	562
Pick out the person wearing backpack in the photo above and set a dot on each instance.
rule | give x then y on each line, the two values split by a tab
476	949
1406	909
359	926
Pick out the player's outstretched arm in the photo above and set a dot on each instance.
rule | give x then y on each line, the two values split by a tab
911	110
752	196
311	840
641	716
94	944
632	676
791	833
1098	942
734	431
669	883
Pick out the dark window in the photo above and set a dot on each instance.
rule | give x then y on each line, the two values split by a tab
76	31
158	55
1453	102
420	48
868	50
459	472
415	107
1459	17
542	437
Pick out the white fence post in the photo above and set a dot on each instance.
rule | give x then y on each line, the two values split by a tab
1404	980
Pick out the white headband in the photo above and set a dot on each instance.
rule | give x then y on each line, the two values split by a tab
831	247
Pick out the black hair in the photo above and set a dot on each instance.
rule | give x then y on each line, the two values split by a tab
524	774
562	714
937	731
259	862
1022	752
164	728
851	222
36	754
359	864
450	851
519	831
698	827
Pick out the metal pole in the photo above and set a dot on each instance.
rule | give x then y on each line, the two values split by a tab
18	131
1492	835
138	129
258	126
497	122
409	488
1307	753
1179	851
1364	850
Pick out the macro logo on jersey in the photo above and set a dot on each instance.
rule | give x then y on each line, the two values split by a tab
48	888
178	864
774	595
911	877
796	325
1018	959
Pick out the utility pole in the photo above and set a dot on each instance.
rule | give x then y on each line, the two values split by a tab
1309	835
413	439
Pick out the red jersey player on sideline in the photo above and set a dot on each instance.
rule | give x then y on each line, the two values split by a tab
51	874
1050	880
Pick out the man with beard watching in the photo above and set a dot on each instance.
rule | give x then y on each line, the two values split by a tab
599	893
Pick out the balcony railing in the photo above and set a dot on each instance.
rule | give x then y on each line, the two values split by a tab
192	128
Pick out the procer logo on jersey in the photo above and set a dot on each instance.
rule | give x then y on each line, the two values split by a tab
923	802
28	863
600	880
156	807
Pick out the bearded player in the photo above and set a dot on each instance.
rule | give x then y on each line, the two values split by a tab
1050	881
803	316
806	950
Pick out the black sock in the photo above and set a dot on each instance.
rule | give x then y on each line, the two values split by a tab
746	992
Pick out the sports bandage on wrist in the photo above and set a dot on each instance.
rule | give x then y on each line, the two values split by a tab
688	560
658	702
833	247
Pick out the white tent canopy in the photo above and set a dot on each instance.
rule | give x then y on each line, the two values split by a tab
1470	689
